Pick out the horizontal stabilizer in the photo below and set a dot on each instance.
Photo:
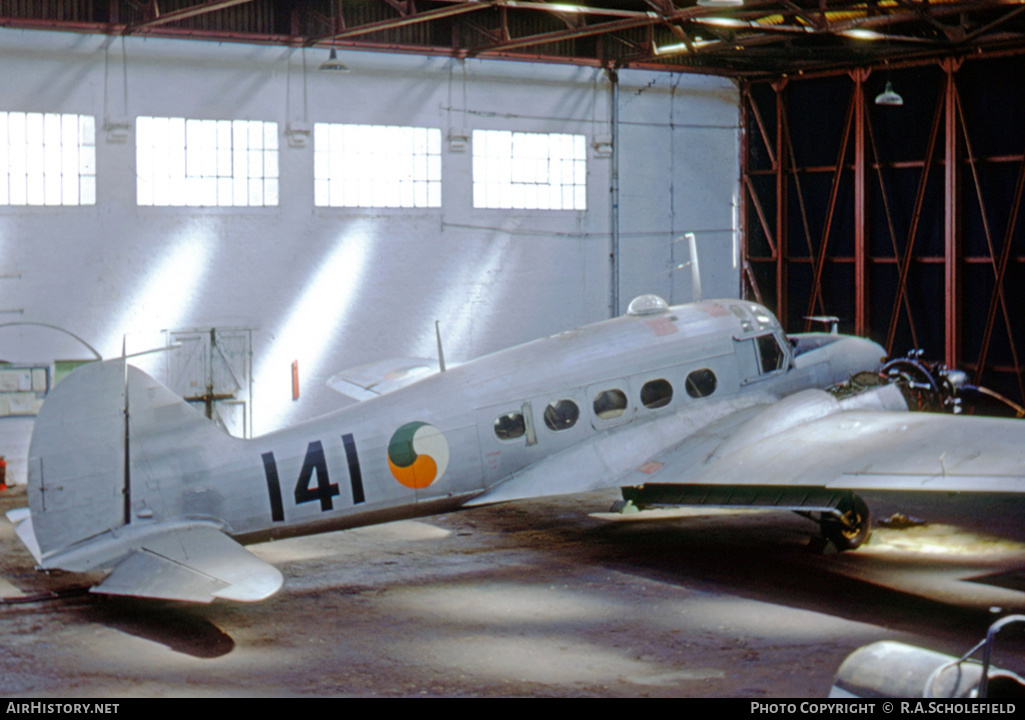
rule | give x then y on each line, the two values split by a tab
377	378
194	564
18	515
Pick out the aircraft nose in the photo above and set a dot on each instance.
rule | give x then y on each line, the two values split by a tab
873	355
858	354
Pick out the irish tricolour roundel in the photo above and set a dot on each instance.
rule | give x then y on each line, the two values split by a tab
417	455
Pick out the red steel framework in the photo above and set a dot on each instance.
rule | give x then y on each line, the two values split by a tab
871	269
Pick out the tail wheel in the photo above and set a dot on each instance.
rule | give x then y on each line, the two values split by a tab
852	527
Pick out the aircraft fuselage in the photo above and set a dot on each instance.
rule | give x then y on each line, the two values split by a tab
522	422
454	435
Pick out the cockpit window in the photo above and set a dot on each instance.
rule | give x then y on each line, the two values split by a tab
745	321
763	319
510	426
701	383
772	356
561	414
753	317
609	404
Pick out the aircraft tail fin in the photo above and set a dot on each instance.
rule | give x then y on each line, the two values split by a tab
111	457
76	458
88	431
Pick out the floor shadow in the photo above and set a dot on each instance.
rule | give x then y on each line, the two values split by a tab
177	627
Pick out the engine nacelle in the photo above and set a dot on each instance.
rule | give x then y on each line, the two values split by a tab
926	386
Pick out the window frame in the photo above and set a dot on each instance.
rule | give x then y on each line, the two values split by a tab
47	159
510	414
569	425
201	162
397	166
668	398
763	357
696	391
534	171
611	392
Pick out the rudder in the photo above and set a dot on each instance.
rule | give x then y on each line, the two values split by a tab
76	458
88	474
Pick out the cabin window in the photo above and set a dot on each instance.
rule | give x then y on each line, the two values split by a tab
701	383
656	393
510	426
561	414
771	354
609	404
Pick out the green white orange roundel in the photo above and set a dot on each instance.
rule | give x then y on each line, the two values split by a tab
417	455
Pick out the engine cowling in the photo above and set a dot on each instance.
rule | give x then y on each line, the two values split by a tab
925	385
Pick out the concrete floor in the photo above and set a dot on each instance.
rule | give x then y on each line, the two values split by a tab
532	598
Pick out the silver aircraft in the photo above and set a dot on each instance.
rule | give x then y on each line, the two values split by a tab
704	403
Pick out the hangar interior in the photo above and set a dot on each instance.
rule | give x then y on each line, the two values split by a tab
318	281
170	182
751	125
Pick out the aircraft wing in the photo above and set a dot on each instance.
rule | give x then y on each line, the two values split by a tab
861	450
377	378
195	563
809	439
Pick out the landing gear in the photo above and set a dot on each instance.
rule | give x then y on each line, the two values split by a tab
850	529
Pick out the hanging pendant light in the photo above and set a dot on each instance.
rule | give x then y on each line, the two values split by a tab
333	64
889	96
